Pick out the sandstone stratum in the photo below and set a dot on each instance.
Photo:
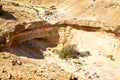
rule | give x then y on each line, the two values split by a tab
59	39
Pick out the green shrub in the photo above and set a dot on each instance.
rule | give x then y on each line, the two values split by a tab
68	51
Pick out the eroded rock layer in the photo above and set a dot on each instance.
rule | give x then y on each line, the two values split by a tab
29	27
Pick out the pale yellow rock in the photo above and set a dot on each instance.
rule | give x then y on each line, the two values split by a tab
93	25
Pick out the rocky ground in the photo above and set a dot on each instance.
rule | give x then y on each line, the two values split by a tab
34	32
28	66
20	68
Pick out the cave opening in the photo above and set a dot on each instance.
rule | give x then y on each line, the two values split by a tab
32	48
31	43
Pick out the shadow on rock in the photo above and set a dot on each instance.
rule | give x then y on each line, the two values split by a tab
7	15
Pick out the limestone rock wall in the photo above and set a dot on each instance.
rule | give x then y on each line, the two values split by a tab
100	42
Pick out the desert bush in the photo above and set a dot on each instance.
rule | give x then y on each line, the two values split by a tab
53	7
68	51
48	13
85	54
15	4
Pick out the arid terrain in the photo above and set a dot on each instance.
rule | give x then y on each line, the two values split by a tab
59	39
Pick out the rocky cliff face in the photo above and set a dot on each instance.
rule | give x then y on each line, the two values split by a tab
93	25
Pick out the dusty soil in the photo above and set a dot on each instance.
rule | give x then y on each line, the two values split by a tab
21	68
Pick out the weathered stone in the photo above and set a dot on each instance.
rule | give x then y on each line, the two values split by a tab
72	77
92	25
10	76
